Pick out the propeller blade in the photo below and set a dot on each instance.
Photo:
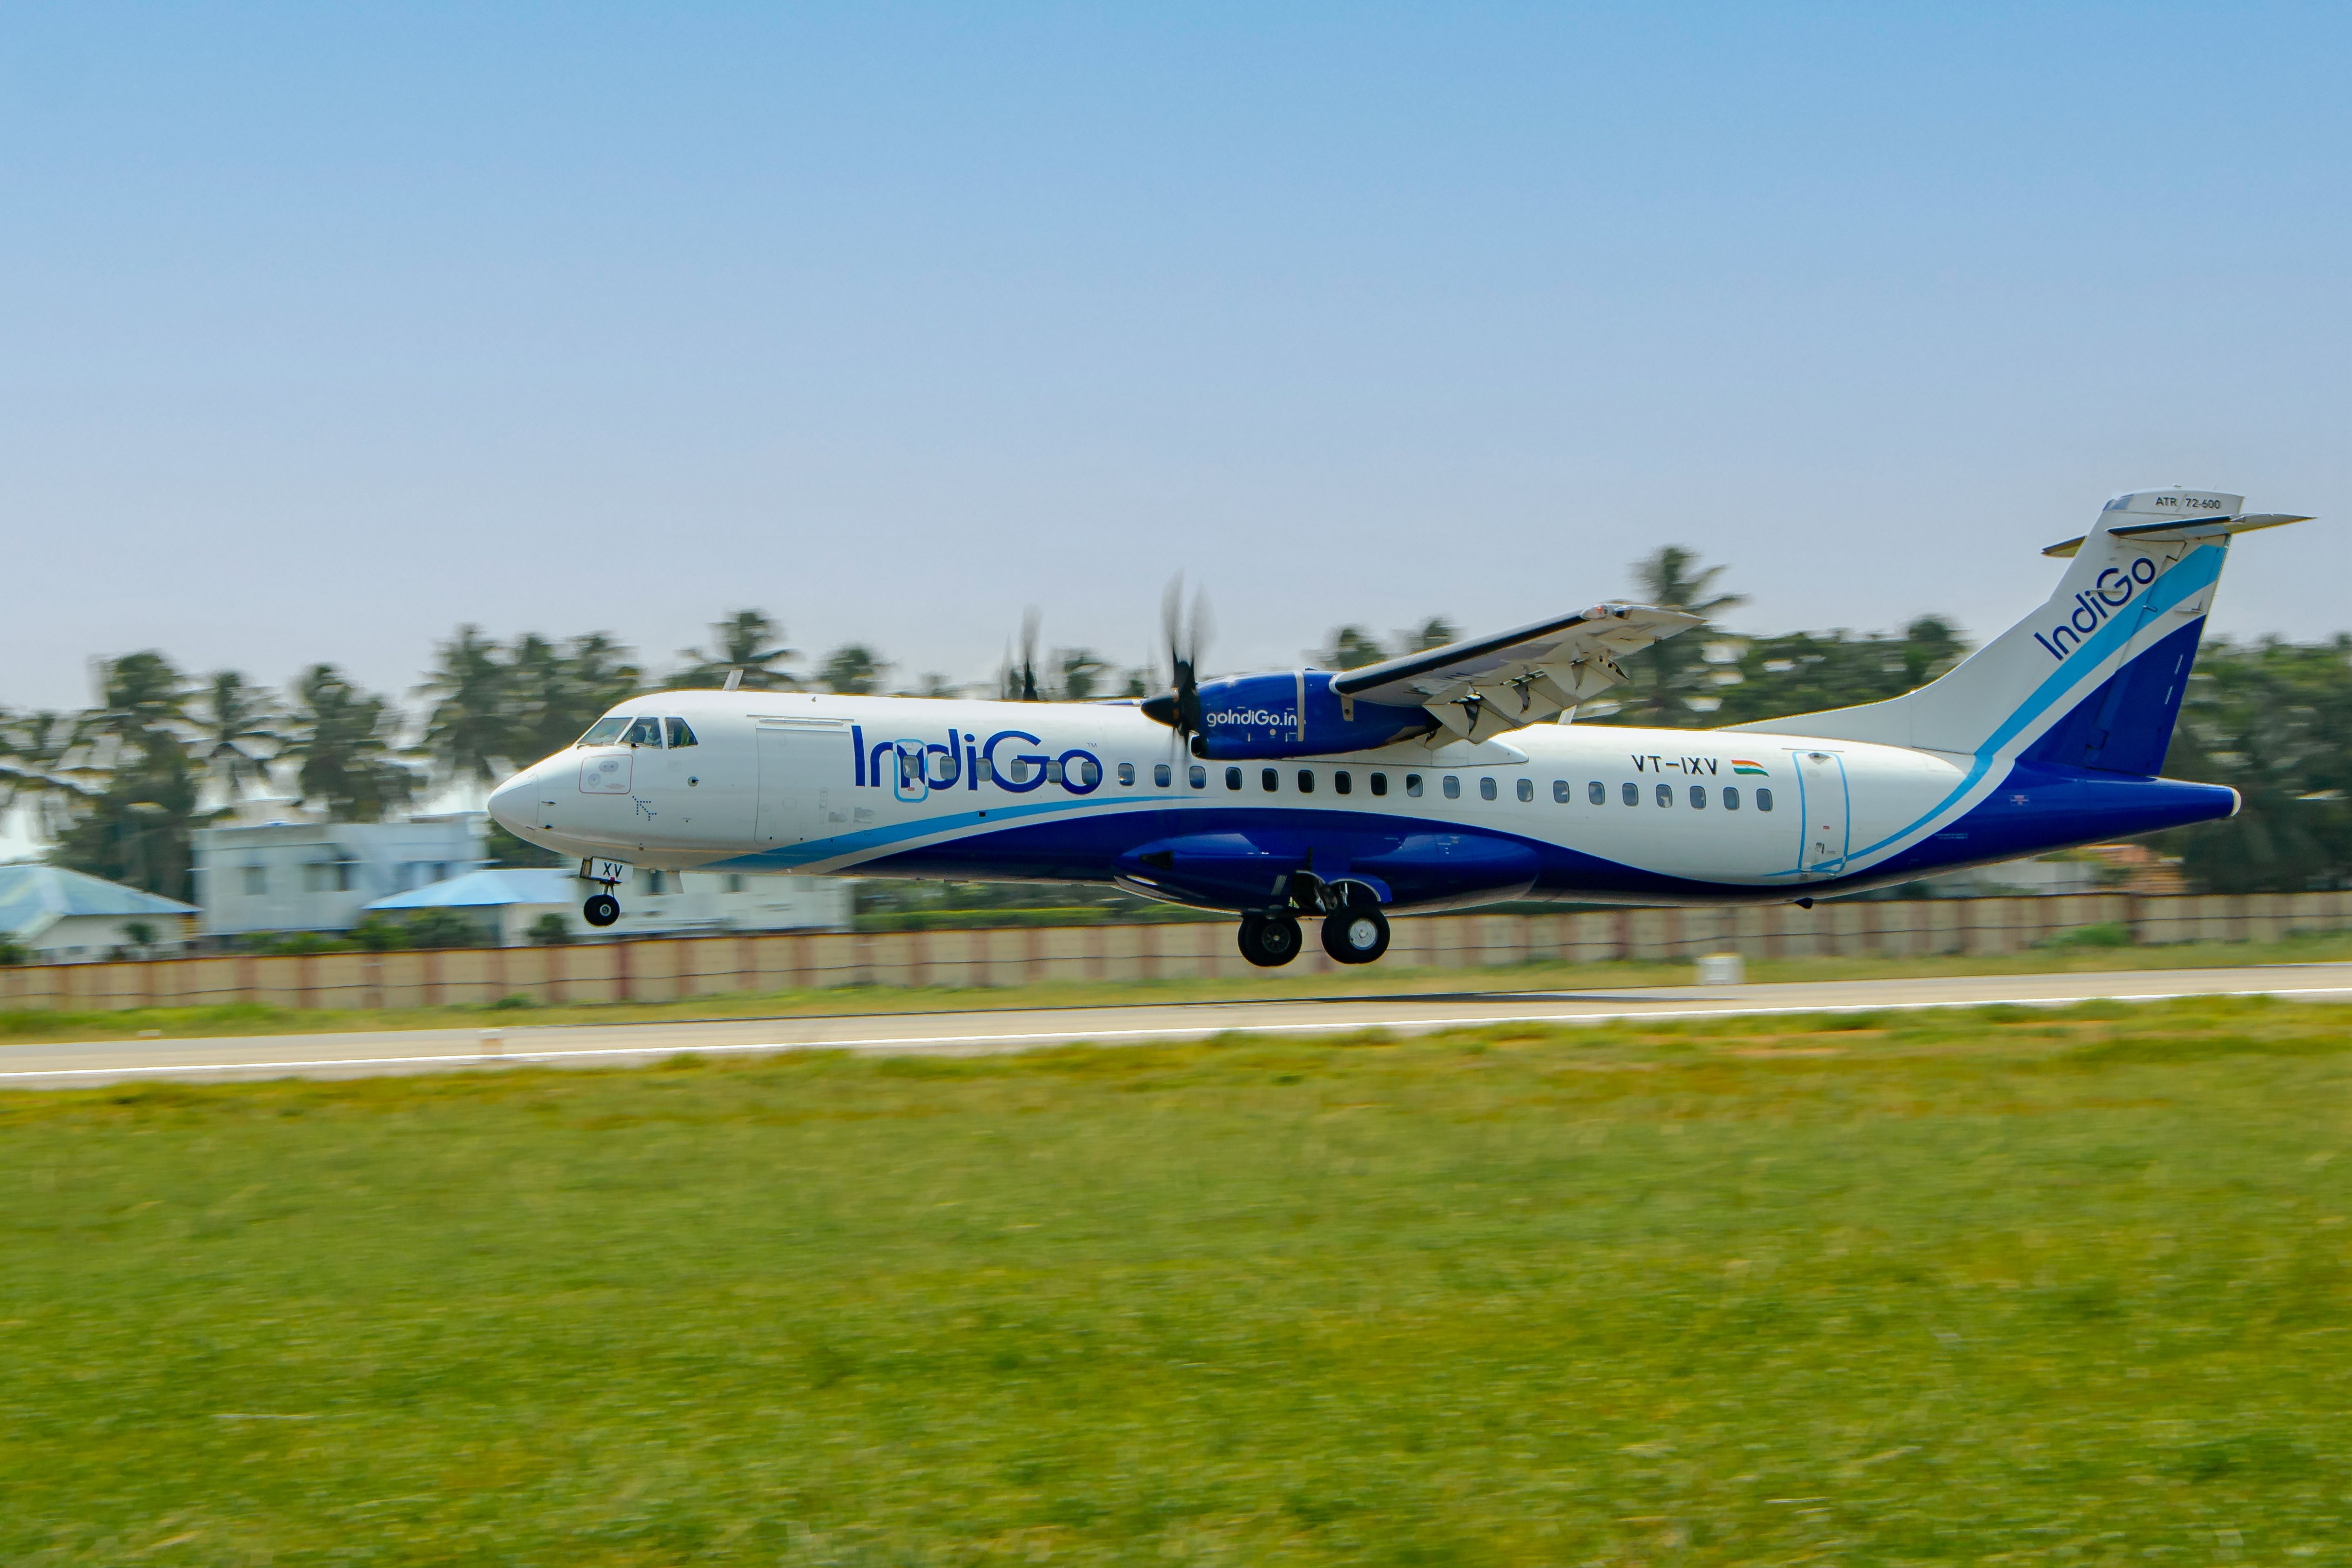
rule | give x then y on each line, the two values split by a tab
1180	709
1029	619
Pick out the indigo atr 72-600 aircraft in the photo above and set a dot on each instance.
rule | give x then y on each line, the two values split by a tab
1433	781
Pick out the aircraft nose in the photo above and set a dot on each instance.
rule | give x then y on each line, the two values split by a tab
511	804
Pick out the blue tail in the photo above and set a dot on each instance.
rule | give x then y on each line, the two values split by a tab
2125	726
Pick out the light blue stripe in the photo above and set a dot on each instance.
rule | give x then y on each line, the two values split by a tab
2201	570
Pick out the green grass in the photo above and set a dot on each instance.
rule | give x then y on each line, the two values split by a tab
2013	1284
2059	956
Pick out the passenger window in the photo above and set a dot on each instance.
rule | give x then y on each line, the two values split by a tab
1342	783
1452	787
680	736
1270	780
1233	778
1126	772
1089	772
1307	781
1379	783
604	733
1487	787
1161	775
984	771
1730	798
1412	785
909	765
1763	800
1559	791
1699	798
1597	793
1665	794
1632	794
1199	776
1526	789
643	733
1054	772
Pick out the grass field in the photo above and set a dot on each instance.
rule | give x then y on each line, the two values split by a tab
38	1024
2002	1285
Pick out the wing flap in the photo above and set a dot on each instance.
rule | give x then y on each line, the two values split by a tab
1481	687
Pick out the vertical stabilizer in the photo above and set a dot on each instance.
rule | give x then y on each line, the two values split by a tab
2093	677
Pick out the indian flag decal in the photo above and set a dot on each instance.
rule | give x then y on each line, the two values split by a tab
1742	765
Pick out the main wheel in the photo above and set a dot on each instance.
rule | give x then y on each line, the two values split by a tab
1270	940
1356	936
600	911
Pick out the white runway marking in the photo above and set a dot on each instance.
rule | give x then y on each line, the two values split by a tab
97	1063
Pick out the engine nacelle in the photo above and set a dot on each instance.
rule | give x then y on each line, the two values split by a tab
1295	715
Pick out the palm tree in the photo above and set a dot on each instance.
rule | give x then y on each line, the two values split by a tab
851	669
142	702
554	691
469	730
1082	670
1668	674
37	768
1434	632
340	738
1351	647
748	640
235	741
137	800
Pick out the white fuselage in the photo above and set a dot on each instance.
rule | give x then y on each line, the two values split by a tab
802	783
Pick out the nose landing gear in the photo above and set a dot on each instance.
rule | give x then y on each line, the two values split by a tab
601	910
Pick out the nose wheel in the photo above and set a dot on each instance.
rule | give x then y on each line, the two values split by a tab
601	910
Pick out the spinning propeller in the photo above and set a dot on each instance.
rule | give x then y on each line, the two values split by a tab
1025	690
1180	708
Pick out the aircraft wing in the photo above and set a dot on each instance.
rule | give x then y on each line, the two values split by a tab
1479	687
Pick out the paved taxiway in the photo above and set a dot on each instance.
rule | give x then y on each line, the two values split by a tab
363	1055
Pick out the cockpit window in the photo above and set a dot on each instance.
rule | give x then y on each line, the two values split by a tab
642	733
604	732
679	734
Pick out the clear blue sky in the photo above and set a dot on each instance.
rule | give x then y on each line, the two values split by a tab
323	329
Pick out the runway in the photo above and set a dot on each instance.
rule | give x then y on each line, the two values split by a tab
368	1054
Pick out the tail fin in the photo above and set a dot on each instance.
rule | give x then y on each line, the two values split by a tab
2093	677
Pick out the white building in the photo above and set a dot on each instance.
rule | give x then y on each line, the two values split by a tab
507	901
322	875
69	917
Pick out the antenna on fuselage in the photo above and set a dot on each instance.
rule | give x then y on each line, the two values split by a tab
734	679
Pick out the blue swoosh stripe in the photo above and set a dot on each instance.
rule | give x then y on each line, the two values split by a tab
2199	570
878	837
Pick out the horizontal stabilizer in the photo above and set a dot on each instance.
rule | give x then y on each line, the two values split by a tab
2170	532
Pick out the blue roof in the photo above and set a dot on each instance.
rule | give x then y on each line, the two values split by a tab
491	886
34	895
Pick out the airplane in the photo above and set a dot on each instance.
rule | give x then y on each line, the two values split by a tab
1437	780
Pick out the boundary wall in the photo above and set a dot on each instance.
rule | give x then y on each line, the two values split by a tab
661	970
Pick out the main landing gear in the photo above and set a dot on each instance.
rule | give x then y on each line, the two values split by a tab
1357	934
601	910
1270	940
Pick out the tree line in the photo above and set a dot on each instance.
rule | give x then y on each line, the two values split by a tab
116	789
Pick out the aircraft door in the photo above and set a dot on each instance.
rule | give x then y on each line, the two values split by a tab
805	772
1821	794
